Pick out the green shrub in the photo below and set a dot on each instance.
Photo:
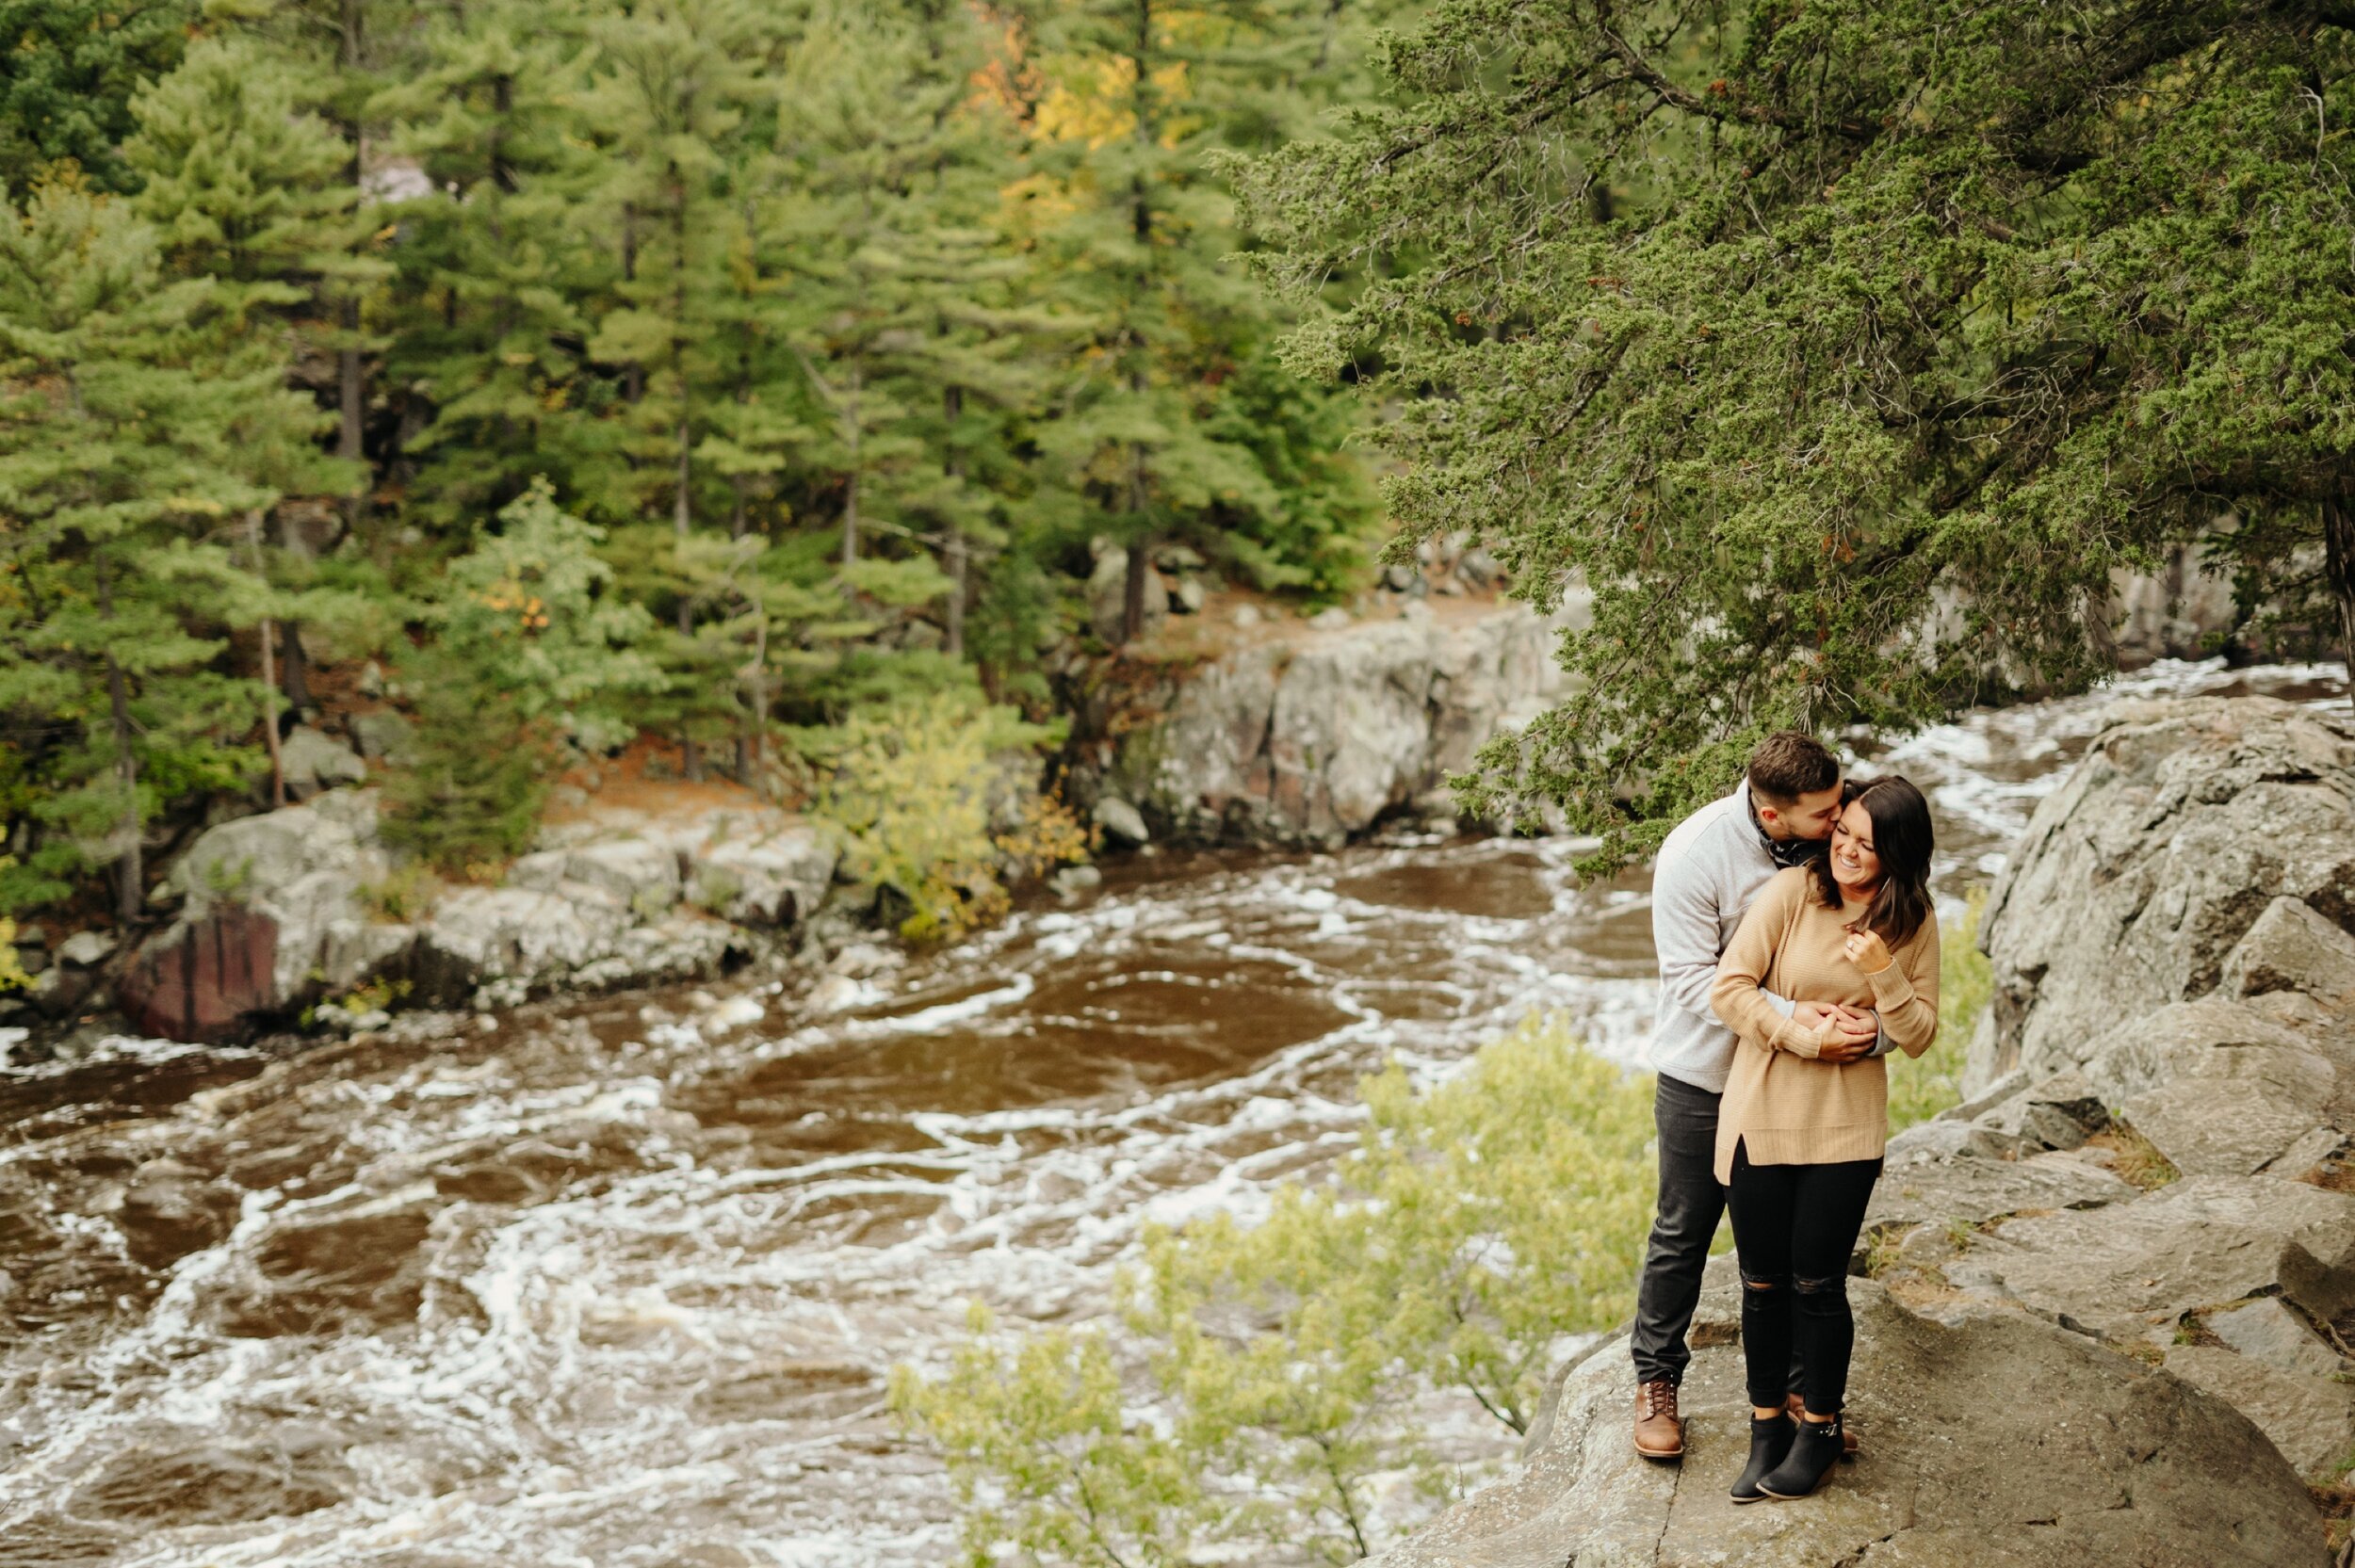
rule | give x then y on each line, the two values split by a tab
909	787
1921	1086
1477	1222
402	896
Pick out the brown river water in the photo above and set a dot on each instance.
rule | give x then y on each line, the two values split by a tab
617	1281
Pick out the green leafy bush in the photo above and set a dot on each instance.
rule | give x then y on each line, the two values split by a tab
1477	1222
910	787
1921	1086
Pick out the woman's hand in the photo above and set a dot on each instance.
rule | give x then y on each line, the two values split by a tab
1866	951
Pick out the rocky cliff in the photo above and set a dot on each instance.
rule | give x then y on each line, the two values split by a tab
1313	733
303	907
2110	1299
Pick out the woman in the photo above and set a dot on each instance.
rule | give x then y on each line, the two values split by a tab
1799	1139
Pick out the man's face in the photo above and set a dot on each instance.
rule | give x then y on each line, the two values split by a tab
1809	816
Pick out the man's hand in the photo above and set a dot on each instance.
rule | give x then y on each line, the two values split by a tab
1852	1029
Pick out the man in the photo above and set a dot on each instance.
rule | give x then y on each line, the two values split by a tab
1709	870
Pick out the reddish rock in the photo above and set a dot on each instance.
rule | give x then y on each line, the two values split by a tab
204	982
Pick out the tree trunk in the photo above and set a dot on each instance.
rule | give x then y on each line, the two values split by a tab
849	499
130	874
2338	554
953	406
680	511
633	374
1140	551
354	390
270	676
298	680
1132	595
350	372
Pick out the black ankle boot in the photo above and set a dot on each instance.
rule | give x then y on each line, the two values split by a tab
1814	1449
1770	1440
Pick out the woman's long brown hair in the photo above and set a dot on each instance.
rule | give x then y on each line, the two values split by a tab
1903	838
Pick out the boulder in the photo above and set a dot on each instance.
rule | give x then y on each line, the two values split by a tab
1917	1189
277	912
1121	821
2309	1420
1998	1442
2059	1112
271	914
1315	742
1071	880
2141	874
641	874
384	735
2220	1088
2266	1331
85	950
2130	1272
1107	599
314	762
533	937
2292	947
766	875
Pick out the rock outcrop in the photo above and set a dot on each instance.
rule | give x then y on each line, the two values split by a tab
2165	849
1991	1440
300	906
2111	1298
1314	736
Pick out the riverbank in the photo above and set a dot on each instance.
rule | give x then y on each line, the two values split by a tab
1242	725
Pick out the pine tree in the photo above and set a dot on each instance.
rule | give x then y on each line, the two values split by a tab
68	75
1145	95
135	438
243	184
246	190
529	653
498	267
669	88
907	298
343	53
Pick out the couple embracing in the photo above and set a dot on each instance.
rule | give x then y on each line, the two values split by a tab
1797	947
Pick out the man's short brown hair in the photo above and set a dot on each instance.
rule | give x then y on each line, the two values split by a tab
1789	764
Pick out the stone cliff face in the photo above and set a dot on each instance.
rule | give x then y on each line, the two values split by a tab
296	907
2111	1301
1314	737
2164	850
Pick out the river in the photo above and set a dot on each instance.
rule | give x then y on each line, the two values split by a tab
617	1281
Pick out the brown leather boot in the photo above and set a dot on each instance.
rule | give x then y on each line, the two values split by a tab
1795	1405
1659	1434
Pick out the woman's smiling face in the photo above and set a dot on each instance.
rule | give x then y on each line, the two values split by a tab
1855	865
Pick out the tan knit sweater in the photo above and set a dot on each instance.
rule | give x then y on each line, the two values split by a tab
1793	1108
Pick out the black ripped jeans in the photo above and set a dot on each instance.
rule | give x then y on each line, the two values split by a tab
1794	1228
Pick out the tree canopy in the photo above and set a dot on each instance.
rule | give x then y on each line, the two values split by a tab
1841	352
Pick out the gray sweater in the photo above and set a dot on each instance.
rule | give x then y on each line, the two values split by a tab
1709	870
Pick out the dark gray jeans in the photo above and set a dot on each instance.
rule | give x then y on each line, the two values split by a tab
1691	1203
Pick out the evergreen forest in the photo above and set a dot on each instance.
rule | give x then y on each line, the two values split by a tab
577	371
